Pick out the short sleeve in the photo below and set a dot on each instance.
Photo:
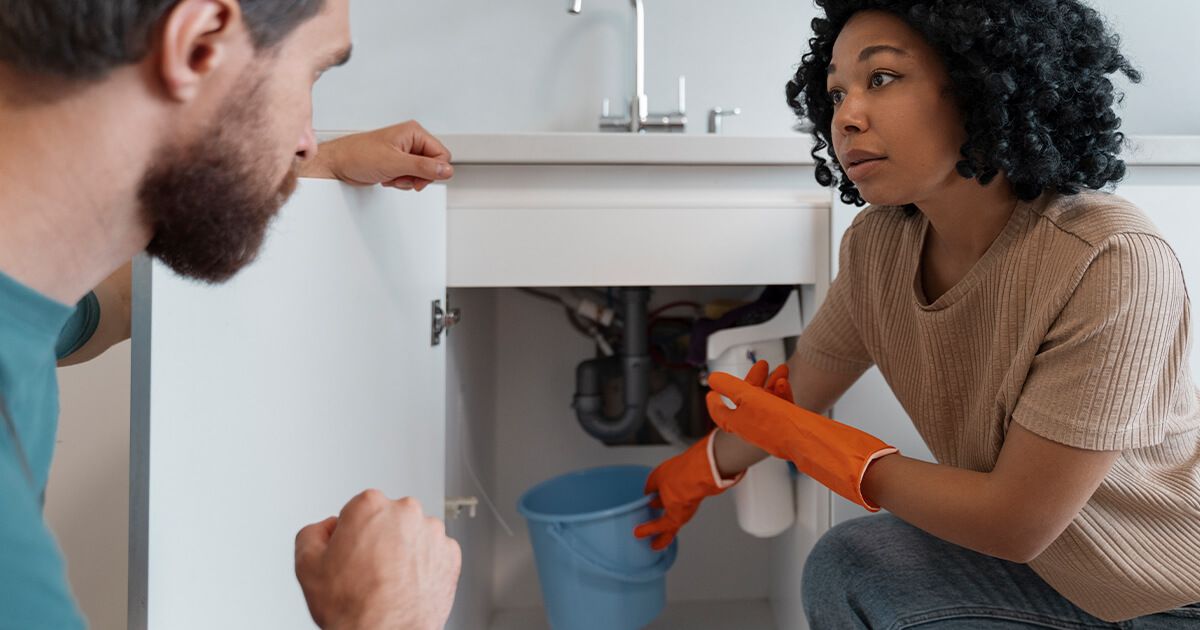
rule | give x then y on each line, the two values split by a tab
80	327
832	340
1109	369
33	581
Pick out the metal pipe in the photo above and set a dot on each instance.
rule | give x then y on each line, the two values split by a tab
633	367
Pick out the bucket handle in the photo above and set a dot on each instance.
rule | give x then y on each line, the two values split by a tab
649	574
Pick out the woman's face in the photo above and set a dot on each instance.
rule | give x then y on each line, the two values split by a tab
896	129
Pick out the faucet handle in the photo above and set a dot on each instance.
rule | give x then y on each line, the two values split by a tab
717	114
682	95
609	122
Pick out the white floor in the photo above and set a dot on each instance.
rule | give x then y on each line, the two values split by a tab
723	615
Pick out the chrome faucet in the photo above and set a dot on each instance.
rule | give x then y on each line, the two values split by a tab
639	119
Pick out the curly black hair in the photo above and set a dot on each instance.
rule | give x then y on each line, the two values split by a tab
1029	76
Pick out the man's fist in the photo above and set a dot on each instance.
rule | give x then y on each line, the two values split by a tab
379	564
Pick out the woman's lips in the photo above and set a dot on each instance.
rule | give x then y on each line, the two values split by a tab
865	168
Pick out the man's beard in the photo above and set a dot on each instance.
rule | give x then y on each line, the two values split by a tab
210	203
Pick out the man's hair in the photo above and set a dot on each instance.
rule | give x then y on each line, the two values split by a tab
1030	77
85	39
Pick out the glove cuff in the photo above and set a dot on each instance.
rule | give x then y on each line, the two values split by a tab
720	483
871	507
836	455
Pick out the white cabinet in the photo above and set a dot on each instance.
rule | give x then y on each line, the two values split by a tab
692	231
627	225
263	405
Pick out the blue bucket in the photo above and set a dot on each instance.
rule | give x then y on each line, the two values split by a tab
595	575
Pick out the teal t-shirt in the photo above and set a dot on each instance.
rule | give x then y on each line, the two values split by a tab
79	327
34	593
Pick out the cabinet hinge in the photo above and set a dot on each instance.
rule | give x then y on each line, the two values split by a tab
442	321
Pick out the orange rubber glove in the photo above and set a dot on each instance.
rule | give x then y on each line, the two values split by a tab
835	454
777	383
681	482
685	480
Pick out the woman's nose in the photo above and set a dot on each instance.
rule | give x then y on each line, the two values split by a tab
850	116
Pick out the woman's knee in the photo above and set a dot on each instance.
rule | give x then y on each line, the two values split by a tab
832	567
850	561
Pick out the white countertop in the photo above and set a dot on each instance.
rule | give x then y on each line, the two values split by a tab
662	148
628	148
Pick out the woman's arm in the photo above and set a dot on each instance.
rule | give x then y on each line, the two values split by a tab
813	388
1013	512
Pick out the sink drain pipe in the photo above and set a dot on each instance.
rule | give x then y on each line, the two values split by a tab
632	363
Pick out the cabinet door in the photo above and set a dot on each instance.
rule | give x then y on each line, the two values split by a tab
264	404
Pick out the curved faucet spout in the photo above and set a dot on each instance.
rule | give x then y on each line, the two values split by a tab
639	71
639	107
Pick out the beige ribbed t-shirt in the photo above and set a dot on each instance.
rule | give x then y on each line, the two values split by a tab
1073	324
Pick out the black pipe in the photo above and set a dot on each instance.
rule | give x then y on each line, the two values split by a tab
633	361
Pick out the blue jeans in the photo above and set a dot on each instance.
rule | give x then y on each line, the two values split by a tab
881	573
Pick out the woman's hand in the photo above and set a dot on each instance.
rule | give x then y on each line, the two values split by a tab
681	483
685	480
834	454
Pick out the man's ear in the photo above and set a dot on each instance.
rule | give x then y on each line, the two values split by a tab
196	38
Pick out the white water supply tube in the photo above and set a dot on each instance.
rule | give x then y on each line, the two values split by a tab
765	498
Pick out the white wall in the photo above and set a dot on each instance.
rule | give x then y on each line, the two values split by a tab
1162	38
87	500
526	65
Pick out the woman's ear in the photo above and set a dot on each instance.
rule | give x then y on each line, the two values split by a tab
196	39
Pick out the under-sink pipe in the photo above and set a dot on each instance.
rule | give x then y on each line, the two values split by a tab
632	362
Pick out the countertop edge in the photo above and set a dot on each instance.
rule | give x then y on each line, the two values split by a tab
702	149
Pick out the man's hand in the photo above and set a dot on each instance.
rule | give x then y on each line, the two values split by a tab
380	564
403	156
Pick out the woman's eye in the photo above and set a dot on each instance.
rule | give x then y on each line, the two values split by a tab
836	97
880	79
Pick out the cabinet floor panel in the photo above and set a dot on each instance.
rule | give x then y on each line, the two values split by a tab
753	614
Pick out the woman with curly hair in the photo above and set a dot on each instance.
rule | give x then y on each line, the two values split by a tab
1033	327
